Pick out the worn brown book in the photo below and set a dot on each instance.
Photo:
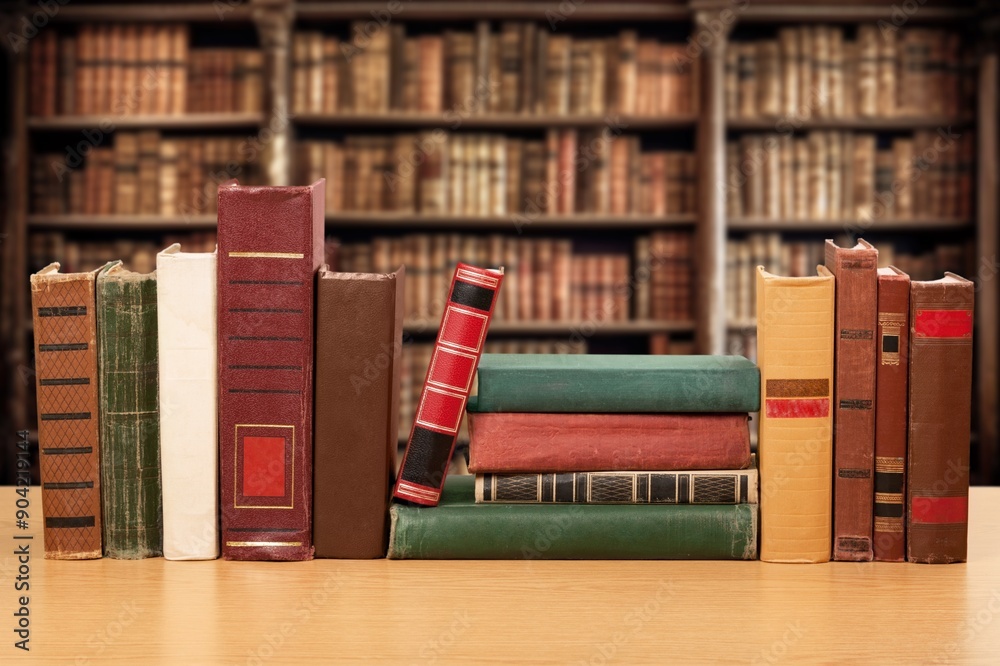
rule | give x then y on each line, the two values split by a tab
888	540
856	317
359	326
747	79
937	490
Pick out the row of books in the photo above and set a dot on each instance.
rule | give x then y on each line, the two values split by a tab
546	280
143	173
129	69
416	360
844	175
856	416
522	68
800	258
494	175
815	71
664	453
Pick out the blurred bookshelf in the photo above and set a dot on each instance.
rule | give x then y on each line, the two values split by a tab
267	95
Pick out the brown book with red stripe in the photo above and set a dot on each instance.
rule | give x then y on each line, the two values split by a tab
937	492
855	270
65	324
888	542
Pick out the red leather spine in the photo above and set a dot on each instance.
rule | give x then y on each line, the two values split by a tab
521	442
888	541
270	248
459	345
854	398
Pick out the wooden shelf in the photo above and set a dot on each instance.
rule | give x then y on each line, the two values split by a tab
424	10
192	121
512	222
584	329
903	123
496	121
849	12
123	222
849	225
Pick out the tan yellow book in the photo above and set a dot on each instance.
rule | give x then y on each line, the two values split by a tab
795	445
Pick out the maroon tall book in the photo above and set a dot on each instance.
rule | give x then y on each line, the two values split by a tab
466	319
937	484
855	270
270	248
888	541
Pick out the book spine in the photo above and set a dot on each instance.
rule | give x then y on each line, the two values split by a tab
937	491
888	541
526	442
130	428
463	530
189	457
855	270
359	327
795	348
702	487
64	316
459	344
267	265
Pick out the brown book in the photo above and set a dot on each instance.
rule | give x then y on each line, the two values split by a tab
359	327
887	101
731	86
526	279
179	61
937	484
543	278
557	74
64	317
431	73
147	63
834	159
84	71
817	195
807	93
788	47
769	91
835	73
856	316
747	72
126	157
300	73
820	90
888	541
627	72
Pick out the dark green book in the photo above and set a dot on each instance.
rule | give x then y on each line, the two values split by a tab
616	383
458	528
130	425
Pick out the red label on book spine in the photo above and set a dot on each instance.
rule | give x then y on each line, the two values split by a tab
943	324
449	379
939	510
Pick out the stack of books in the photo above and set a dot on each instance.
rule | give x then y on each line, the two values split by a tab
596	436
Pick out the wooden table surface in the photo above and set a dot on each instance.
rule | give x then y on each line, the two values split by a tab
412	612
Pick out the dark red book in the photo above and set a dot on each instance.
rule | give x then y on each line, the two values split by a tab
855	270
888	541
937	483
270	248
523	442
459	345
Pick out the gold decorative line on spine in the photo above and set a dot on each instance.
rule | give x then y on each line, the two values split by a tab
889	525
268	255
889	498
251	544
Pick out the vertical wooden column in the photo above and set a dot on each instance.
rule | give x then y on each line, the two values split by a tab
274	19
712	33
987	248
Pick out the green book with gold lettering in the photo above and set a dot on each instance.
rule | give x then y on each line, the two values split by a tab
130	421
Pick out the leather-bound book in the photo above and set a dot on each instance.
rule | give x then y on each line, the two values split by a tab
188	375
129	406
888	542
471	298
855	270
270	248
359	328
695	487
937	483
64	314
795	445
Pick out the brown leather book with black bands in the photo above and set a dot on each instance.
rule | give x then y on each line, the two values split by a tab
888	541
359	329
855	270
65	324
937	493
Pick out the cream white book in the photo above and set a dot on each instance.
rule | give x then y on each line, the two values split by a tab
189	458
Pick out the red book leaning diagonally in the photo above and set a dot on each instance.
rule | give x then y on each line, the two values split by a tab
459	345
270	248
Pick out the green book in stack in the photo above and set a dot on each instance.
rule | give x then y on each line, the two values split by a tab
568	383
130	427
458	528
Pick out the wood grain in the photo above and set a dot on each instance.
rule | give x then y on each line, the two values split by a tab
153	611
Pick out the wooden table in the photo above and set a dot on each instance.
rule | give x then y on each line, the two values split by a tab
154	611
